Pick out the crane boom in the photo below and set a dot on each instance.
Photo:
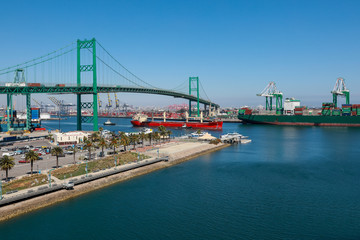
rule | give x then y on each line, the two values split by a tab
269	92
340	90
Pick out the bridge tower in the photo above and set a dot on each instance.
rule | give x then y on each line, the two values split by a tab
81	45
194	87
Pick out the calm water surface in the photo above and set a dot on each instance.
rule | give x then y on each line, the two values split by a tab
289	183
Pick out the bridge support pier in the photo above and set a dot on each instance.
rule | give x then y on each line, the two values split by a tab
78	113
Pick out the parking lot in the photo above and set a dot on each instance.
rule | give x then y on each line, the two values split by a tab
47	162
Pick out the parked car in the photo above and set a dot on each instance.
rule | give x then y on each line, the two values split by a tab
87	156
23	161
10	154
101	154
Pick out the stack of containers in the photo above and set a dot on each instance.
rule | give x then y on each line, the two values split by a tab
242	111
326	109
346	109
245	111
336	112
35	113
299	110
248	111
356	109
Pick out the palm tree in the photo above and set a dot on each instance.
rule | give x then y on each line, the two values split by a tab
31	156
156	136
142	136
150	136
57	151
162	131
73	149
169	132
89	145
51	137
124	140
7	163
133	139
114	143
94	137
102	143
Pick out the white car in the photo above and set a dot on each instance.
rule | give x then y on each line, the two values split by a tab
10	154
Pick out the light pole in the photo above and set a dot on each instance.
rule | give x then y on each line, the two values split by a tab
50	177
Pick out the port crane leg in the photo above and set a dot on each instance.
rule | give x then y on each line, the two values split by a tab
28	111
335	100
9	108
266	103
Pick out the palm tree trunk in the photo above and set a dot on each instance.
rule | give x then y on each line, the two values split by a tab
74	158
102	150
7	170
57	161
31	164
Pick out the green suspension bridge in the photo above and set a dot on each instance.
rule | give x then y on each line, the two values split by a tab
82	69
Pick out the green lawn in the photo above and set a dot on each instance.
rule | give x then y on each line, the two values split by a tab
96	165
25	182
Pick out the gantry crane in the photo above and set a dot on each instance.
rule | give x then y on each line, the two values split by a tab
63	107
117	103
340	89
37	103
109	105
269	93
99	101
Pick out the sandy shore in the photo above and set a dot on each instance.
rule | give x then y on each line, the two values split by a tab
177	151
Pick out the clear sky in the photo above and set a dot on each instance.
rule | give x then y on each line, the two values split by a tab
235	47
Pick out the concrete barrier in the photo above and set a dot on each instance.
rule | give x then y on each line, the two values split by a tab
91	177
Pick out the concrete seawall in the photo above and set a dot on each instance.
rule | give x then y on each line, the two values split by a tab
178	153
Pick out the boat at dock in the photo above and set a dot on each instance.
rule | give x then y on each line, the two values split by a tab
234	137
141	120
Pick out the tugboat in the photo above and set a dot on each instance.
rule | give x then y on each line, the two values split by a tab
108	123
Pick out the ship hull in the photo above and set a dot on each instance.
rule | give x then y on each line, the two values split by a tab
207	125
302	120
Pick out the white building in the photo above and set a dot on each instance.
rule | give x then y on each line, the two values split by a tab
289	105
70	138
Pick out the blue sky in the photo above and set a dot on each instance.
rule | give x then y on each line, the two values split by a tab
235	47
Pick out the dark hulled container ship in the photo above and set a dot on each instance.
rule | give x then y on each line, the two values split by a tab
329	115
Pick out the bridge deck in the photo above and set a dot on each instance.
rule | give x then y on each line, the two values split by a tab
100	89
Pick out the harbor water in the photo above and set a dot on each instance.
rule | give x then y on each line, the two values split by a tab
289	183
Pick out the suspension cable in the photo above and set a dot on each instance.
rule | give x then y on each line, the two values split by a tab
36	63
125	67
35	59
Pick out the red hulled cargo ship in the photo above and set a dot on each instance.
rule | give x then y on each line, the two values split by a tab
141	121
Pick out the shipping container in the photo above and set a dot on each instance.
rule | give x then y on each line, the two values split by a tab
34	84
60	85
